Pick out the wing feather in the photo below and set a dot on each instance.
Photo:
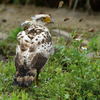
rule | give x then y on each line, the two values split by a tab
38	61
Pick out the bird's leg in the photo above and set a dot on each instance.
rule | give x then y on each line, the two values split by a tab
37	80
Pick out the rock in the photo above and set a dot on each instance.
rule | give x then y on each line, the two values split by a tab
84	43
91	30
78	37
93	55
81	19
4	20
66	19
59	32
84	48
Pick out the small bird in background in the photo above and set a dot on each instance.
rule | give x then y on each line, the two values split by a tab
33	49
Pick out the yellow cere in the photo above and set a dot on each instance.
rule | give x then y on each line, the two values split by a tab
47	19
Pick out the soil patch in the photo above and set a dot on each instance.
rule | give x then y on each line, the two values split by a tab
11	17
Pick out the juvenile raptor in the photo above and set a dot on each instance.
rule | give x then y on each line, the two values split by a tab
33	49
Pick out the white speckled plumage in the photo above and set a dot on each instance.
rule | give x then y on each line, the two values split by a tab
45	48
32	41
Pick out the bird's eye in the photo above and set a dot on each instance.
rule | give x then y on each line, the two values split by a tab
43	19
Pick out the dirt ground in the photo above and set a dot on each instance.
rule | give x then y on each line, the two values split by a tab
11	17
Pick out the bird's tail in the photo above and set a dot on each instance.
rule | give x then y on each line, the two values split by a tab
25	77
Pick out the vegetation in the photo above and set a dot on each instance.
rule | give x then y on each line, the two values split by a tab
69	74
7	47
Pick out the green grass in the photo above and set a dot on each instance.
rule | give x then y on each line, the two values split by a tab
7	46
69	75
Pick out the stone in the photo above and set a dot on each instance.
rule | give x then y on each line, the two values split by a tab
59	33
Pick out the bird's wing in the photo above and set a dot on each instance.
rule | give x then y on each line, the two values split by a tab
34	47
38	61
17	61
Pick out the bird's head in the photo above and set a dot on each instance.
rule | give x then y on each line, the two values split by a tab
43	19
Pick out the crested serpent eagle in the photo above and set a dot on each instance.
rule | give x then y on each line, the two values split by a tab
33	49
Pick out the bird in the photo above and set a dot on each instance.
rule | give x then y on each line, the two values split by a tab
33	49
